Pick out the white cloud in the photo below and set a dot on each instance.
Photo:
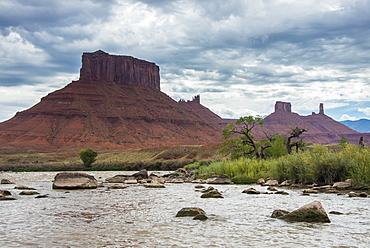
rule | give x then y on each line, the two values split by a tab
346	117
365	110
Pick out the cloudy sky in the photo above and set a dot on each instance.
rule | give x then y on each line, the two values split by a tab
240	56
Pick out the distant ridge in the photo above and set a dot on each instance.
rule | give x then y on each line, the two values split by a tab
320	128
361	126
116	104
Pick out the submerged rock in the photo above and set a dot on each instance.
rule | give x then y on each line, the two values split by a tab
279	213
190	211
29	192
7	198
222	179
312	212
117	186
200	217
251	191
6	181
74	180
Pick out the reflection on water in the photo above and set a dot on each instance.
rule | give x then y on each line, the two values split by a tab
143	217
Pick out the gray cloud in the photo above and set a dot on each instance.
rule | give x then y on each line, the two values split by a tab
234	53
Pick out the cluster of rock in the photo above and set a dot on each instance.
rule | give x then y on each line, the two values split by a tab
6	195
336	188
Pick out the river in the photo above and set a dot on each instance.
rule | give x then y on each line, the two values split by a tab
145	217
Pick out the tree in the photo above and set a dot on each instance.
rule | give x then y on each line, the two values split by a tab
88	156
243	144
296	132
343	142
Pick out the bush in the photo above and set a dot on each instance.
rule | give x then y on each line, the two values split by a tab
88	156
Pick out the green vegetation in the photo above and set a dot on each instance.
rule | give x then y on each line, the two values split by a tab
240	142
88	156
154	158
319	165
243	144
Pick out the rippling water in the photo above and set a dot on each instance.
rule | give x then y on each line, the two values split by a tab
144	217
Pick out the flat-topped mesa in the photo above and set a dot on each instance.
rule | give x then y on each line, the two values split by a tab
283	107
100	66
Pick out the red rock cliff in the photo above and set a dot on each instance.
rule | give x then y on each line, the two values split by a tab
103	67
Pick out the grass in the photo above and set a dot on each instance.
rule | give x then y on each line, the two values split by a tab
157	158
319	164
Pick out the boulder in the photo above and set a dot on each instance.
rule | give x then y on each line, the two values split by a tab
6	181
23	187
74	180
342	185
117	179
312	212
353	194
222	179
363	194
143	174
251	191
131	181
271	188
190	211
29	192
286	183
261	181
199	186
271	182
5	193
214	193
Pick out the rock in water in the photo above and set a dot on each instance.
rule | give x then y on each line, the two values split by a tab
190	211
312	212
74	180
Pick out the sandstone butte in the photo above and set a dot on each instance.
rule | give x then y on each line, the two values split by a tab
117	104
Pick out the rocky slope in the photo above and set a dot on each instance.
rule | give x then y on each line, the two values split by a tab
116	104
320	127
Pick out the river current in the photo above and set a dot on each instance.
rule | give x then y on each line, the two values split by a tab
145	217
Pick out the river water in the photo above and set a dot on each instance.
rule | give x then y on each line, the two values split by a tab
145	217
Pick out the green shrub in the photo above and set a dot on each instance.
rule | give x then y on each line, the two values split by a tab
88	156
243	179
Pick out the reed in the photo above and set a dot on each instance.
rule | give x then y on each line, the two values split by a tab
319	164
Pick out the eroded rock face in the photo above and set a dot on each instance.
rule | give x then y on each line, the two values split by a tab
100	66
74	180
312	212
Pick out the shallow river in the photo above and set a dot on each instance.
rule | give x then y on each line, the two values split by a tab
144	217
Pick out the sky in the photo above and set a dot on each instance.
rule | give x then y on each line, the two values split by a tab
240	56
